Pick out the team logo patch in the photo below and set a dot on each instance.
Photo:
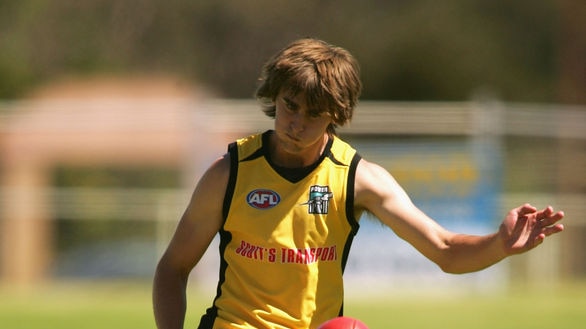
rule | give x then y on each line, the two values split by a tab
263	199
319	199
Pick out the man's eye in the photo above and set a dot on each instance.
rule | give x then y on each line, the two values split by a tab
288	104
316	114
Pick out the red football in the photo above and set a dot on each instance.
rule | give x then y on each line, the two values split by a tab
343	322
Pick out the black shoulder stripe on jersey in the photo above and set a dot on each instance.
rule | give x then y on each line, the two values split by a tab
350	207
208	319
334	160
257	154
233	152
350	215
261	150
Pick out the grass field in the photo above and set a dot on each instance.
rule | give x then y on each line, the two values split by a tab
125	305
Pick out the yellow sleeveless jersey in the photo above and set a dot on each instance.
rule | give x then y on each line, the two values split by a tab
285	240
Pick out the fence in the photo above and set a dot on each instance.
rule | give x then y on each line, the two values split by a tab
539	152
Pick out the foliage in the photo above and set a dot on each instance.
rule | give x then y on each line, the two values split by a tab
409	50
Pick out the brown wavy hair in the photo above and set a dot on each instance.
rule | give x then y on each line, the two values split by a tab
329	76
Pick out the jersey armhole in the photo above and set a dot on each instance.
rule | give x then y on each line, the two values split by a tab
352	220
350	193
233	153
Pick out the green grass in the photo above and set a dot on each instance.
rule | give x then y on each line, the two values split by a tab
528	309
87	306
128	305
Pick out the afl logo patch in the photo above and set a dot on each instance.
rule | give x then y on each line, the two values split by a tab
263	199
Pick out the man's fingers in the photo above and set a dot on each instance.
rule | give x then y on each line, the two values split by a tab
539	239
526	209
545	213
553	229
550	217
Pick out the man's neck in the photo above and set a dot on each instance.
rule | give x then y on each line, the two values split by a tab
306	158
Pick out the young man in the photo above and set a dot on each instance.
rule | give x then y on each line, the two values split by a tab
292	198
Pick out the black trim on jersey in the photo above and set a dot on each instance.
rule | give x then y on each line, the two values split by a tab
334	160
350	208
293	175
233	152
350	194
350	214
257	154
208	319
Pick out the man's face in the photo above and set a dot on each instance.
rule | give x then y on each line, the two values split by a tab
297	126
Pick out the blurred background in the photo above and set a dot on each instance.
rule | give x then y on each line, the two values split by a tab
111	110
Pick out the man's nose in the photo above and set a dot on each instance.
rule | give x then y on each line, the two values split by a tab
297	123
